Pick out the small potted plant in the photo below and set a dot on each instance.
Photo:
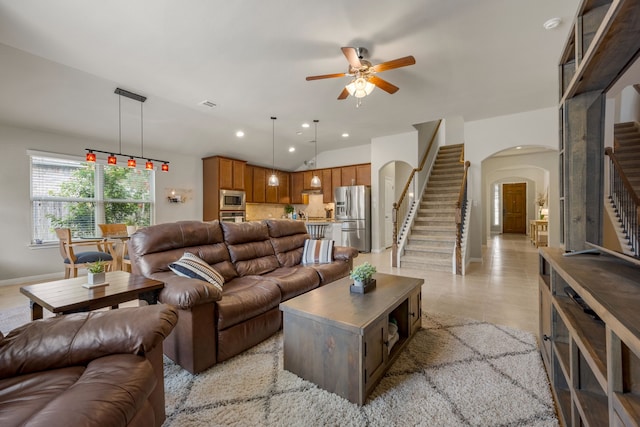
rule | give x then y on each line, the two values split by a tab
96	272
288	210
362	277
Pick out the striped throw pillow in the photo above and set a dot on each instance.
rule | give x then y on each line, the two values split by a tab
317	251
192	266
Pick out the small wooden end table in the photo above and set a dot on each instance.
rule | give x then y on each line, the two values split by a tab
68	296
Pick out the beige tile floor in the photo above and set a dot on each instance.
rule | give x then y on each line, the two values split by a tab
502	289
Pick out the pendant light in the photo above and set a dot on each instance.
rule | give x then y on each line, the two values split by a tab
273	179
112	159
315	181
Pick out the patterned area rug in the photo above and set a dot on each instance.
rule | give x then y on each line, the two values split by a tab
455	372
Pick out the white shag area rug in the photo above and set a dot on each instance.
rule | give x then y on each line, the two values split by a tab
455	372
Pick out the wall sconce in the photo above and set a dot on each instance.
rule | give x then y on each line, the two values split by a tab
177	195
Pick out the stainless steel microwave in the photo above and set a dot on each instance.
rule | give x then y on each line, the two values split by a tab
232	200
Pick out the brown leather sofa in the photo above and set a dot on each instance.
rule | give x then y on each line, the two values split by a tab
260	263
86	369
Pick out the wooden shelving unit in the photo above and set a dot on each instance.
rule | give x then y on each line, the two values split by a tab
593	361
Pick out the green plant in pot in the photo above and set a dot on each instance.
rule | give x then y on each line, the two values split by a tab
288	209
96	272
362	274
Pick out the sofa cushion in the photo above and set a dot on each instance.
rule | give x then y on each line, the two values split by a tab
192	266
287	239
293	281
250	248
317	251
331	272
244	298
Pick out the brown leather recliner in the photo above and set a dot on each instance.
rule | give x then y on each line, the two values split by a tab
260	262
86	369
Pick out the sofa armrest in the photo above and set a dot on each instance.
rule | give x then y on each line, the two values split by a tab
185	293
76	339
344	253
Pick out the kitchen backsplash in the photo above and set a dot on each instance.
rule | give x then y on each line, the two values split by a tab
259	211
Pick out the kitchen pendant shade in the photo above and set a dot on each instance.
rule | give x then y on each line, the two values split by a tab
273	179
315	180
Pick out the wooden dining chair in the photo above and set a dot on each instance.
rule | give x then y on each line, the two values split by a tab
73	260
118	231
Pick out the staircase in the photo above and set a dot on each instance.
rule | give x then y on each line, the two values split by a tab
627	151
432	238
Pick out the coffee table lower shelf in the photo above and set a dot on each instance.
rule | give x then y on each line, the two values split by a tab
339	340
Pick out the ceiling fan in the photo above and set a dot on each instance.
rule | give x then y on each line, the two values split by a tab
364	73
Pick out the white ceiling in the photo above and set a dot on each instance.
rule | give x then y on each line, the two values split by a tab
61	61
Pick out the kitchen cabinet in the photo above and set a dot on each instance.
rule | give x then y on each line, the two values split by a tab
327	189
219	173
336	180
272	192
363	174
259	185
283	188
248	183
348	174
306	180
297	185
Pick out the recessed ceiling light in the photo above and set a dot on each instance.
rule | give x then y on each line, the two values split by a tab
305	125
299	132
518	148
552	23
239	134
345	135
292	149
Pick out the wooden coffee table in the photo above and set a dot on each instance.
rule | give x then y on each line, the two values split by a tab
68	296
339	340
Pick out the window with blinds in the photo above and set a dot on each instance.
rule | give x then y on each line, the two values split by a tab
78	195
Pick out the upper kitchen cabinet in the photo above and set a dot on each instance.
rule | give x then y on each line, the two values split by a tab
327	187
348	175
297	185
248	183
230	172
363	174
283	189
259	185
219	173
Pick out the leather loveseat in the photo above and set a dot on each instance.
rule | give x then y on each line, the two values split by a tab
86	369
261	266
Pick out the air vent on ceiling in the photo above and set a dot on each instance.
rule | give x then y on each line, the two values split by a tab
209	104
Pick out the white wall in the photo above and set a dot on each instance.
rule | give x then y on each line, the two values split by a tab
341	157
17	258
401	148
629	105
486	137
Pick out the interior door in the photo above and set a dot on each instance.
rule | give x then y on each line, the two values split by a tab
514	203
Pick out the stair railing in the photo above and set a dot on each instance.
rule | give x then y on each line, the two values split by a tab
626	201
461	210
401	207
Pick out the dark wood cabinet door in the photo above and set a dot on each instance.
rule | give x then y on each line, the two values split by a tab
296	187
348	175
238	175
415	310
336	180
306	179
375	350
259	185
225	173
283	189
327	188
363	174
248	183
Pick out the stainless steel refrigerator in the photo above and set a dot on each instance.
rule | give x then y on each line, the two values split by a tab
353	209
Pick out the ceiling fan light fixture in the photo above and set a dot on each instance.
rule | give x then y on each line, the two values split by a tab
360	87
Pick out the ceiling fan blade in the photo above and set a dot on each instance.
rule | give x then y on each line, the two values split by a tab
352	57
344	94
383	84
396	63
326	76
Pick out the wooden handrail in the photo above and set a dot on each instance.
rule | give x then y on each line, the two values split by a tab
461	159
625	181
459	218
418	169
396	205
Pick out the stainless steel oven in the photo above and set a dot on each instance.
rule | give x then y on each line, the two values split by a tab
231	216
232	200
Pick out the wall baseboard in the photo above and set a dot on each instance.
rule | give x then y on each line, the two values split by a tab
32	279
